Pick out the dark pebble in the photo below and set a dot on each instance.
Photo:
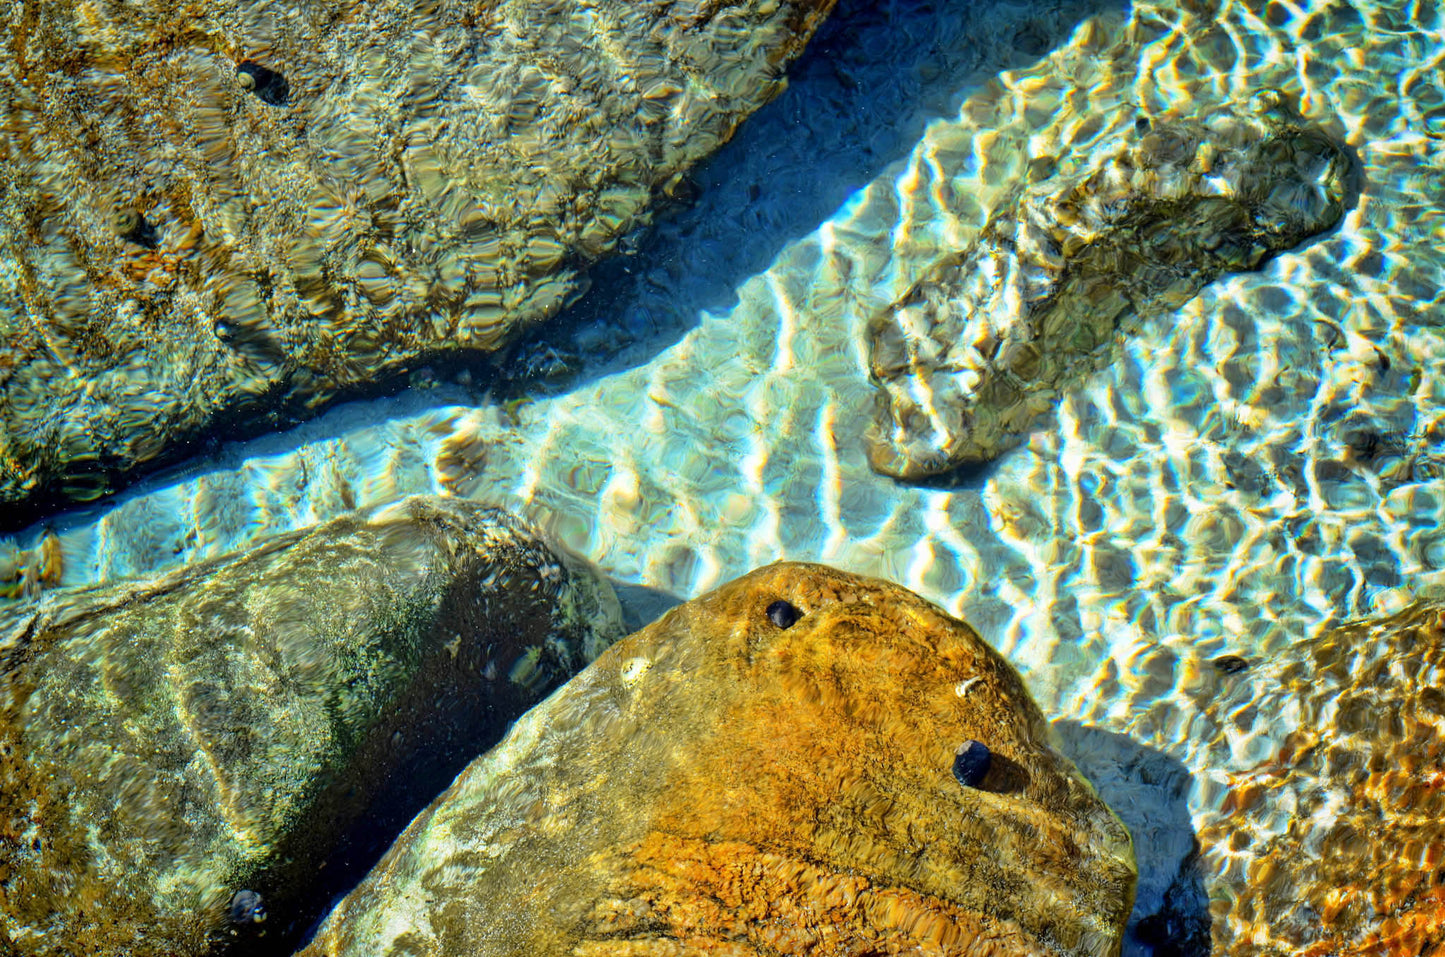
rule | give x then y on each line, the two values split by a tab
247	908
783	614
971	763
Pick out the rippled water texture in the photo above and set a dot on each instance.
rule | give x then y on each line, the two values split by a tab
1260	464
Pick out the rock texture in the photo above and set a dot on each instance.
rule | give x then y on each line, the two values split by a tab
1334	842
773	768
971	357
165	745
245	205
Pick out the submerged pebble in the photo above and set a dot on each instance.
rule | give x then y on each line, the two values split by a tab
783	614
247	907
971	763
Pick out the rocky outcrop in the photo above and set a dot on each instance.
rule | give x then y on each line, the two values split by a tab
970	358
245	207
1333	842
182	757
801	761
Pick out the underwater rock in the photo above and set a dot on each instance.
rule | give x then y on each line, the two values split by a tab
183	759
969	359
249	208
723	782
1334	843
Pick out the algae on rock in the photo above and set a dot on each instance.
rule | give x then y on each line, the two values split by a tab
970	358
768	768
167	743
248	207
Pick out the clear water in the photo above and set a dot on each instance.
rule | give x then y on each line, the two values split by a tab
1200	497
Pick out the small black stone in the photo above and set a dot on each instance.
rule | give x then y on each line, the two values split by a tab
269	86
1229	664
783	614
1141	125
247	908
971	763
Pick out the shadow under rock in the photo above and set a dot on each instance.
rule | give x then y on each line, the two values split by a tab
859	99
642	605
1149	790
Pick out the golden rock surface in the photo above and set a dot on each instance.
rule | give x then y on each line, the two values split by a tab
720	784
970	357
243	206
1335	843
168	743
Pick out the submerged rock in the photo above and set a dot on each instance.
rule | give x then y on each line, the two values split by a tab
766	769
1334	841
187	760
248	206
971	357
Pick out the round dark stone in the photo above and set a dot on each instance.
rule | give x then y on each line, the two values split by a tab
247	908
971	763
783	614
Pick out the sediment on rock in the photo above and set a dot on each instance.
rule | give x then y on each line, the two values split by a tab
975	354
243	208
249	724
800	760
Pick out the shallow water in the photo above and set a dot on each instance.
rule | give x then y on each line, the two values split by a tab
1215	491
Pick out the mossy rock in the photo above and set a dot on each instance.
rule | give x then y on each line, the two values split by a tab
259	721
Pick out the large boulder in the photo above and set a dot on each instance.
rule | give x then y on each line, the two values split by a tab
182	755
1329	838
245	206
803	761
971	357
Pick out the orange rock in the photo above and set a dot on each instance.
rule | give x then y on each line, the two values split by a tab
1356	867
745	777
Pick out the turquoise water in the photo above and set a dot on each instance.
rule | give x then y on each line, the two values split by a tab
1207	494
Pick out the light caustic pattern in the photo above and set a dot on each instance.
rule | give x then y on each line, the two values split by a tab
1259	465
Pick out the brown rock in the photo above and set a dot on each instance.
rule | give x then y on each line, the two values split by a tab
230	207
245	723
1335	843
970	358
731	781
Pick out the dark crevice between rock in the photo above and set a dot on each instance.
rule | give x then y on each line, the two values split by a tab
419	767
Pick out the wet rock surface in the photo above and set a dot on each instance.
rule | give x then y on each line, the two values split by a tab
971	357
191	764
1333	842
248	208
766	769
